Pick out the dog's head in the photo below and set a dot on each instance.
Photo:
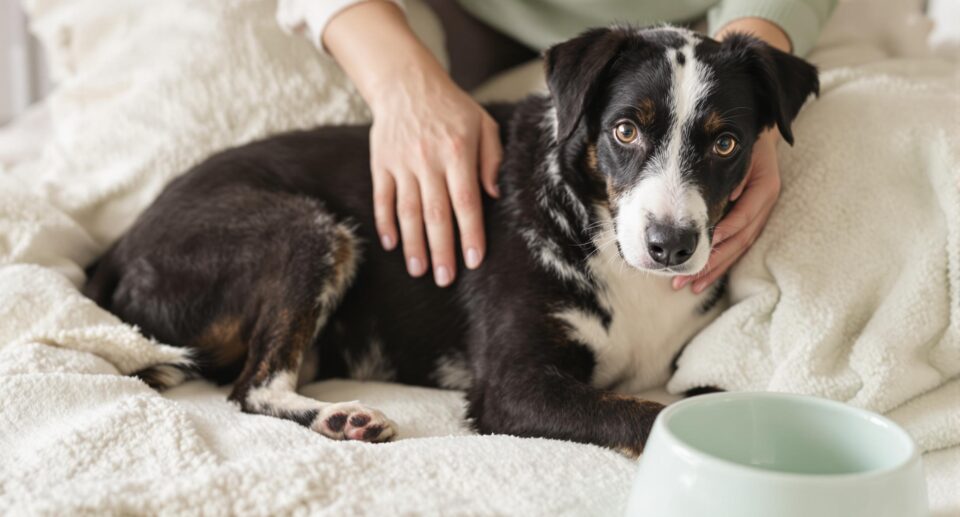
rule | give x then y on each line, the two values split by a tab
665	120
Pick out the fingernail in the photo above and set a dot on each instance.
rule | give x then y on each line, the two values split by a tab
473	258
678	282
414	266
442	275
387	242
496	191
699	287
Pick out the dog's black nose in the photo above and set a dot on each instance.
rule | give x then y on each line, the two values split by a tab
671	245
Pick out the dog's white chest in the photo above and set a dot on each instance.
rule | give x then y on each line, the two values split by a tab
650	323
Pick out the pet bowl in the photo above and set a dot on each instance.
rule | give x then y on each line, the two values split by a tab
770	454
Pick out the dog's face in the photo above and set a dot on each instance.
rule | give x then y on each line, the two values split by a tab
666	120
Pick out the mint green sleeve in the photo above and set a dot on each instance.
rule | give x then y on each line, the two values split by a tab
801	20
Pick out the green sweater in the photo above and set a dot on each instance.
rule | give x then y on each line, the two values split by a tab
541	23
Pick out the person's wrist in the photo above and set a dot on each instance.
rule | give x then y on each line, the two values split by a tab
415	81
771	135
760	28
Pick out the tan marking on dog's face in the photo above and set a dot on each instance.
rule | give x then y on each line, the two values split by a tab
646	112
713	123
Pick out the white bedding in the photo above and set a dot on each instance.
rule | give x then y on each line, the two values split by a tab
78	437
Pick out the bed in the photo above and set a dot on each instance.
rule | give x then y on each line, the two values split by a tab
877	159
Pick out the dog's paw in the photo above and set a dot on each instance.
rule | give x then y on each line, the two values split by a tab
352	421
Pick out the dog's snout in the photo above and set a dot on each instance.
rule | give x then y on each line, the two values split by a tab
671	245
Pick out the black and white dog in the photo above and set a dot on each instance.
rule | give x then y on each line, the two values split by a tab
260	261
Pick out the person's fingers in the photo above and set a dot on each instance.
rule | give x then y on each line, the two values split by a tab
744	212
384	208
737	192
468	208
437	216
719	255
410	214
727	253
491	153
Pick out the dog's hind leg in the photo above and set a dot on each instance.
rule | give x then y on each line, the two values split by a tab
299	301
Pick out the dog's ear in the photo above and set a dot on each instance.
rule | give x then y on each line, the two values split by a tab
573	70
783	81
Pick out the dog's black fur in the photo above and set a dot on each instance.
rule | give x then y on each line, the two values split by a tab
243	258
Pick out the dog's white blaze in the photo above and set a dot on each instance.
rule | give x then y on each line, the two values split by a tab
650	323
692	82
664	194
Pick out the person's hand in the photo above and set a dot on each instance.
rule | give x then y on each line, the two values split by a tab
734	235
431	145
428	143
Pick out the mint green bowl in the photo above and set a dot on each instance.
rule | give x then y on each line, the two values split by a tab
776	455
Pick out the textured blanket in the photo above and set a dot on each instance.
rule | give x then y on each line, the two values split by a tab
851	293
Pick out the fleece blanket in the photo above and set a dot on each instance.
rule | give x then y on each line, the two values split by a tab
78	437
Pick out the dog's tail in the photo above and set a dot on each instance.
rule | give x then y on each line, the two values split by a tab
167	375
102	282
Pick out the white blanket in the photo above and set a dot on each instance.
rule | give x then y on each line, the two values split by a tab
78	437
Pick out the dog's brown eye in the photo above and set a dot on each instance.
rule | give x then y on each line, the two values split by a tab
725	145
626	132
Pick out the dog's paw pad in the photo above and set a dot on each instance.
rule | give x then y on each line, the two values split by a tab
351	421
336	422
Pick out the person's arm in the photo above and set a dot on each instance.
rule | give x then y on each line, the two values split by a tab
800	21
428	141
760	188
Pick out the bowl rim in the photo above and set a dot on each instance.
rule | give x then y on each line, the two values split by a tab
874	418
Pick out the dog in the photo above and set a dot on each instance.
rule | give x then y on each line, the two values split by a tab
261	261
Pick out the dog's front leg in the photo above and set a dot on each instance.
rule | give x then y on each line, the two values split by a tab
545	392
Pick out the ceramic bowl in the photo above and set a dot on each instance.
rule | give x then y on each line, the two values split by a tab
771	454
